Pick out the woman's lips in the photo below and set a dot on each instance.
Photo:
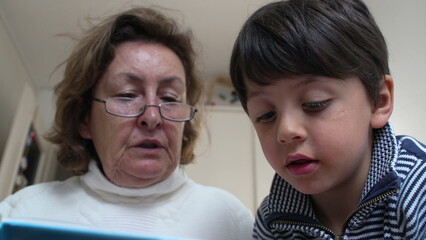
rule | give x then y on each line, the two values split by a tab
300	165
149	146
149	143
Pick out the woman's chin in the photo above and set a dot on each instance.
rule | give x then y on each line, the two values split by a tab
142	174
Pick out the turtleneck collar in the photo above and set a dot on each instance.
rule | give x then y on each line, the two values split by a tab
98	183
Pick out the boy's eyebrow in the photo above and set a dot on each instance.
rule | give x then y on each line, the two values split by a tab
253	94
308	80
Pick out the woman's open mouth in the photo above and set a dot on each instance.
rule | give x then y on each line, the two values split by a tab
148	145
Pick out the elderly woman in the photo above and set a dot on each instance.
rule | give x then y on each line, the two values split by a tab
126	123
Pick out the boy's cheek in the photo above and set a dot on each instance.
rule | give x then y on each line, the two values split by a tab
273	157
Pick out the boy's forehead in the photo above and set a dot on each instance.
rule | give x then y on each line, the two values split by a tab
253	88
256	88
302	79
292	81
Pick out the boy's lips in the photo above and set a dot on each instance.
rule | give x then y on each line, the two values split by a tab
299	165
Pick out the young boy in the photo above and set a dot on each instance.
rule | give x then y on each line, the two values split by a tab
313	77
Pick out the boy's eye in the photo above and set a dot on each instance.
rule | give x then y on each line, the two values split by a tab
315	106
266	117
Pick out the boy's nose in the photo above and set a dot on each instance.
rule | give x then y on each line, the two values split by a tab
290	130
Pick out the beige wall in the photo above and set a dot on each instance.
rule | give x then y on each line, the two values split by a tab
13	76
404	25
17	108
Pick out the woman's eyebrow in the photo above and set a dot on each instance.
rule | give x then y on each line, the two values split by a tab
135	77
172	78
126	77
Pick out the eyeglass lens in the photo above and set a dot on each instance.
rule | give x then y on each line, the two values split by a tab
131	107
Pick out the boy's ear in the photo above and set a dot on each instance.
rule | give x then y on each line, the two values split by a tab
384	106
84	129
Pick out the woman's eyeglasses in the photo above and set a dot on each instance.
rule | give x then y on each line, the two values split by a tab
131	107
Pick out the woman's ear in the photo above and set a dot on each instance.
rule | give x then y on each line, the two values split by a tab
84	129
384	106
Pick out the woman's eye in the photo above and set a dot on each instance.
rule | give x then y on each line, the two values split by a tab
169	99
266	117
315	106
126	95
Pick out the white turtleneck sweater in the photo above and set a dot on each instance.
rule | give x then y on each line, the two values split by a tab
177	207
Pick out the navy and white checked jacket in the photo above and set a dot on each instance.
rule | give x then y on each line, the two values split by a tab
393	202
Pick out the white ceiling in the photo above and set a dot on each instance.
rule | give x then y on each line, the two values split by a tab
35	27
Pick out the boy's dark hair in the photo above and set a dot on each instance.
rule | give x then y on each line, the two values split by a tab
334	38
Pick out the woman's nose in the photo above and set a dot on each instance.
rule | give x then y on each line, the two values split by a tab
290	130
151	117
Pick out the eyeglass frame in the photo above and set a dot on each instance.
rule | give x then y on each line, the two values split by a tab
143	109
